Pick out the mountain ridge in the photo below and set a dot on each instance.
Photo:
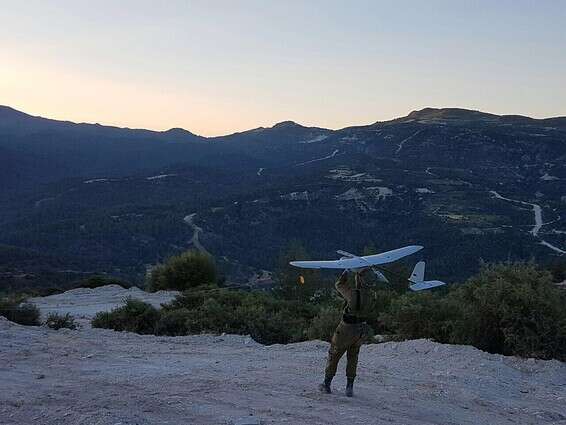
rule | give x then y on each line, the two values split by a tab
7	112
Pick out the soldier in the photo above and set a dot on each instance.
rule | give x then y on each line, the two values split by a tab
351	331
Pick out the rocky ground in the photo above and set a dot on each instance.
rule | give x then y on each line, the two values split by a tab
84	303
95	376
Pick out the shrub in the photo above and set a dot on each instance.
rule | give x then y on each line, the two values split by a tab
267	319
273	321
421	315
173	322
514	310
383	299
58	321
98	281
184	271
133	316
324	323
23	314
511	309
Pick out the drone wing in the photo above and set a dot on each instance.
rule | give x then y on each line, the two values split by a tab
345	263
359	262
391	256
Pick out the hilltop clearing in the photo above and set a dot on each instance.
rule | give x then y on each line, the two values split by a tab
84	303
96	376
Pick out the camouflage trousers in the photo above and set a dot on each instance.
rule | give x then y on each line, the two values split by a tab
348	338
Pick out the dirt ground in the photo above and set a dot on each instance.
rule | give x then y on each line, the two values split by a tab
95	376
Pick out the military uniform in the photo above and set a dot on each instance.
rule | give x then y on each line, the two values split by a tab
351	331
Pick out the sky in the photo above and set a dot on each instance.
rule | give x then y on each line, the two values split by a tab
218	66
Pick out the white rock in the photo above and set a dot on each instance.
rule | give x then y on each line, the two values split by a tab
352	194
84	303
423	190
296	196
548	177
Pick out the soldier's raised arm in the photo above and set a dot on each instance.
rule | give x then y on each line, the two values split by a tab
342	286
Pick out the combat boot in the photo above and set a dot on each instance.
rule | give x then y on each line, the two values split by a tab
350	387
325	386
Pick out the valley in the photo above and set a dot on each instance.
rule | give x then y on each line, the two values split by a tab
430	178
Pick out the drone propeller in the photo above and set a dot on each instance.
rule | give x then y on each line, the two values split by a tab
380	276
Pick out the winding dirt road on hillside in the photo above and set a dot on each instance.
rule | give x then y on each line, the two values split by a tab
402	142
538	222
195	241
332	155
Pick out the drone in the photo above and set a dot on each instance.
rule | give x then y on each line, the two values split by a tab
357	264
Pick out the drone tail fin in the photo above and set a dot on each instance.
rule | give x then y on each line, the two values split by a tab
417	279
418	272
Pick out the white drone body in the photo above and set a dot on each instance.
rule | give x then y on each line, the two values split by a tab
357	264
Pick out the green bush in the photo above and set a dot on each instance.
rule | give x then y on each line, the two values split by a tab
511	309
133	316
279	322
185	271
324	323
23	314
383	299
98	281
421	315
267	319
173	322
59	321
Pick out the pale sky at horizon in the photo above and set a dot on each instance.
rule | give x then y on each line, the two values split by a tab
217	67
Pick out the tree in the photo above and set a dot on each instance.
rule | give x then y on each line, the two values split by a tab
185	271
98	281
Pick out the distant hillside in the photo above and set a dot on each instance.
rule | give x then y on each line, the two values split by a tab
468	185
